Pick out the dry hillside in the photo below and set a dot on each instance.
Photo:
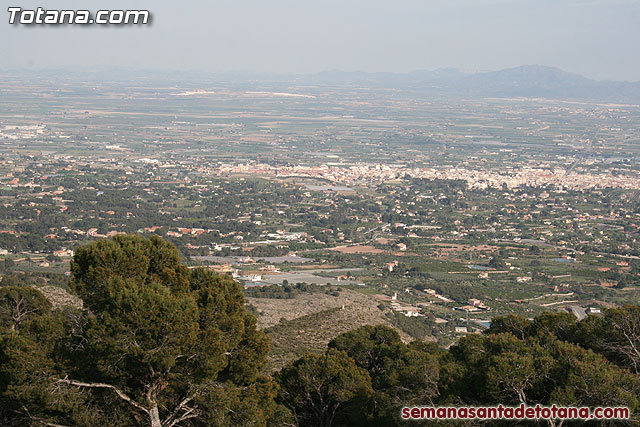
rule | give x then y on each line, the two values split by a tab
310	321
59	297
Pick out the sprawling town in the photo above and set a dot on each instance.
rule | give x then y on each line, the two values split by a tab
430	215
320	214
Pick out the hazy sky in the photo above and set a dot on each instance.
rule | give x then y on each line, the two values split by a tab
597	38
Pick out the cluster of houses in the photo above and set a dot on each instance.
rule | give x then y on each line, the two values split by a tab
474	305
406	309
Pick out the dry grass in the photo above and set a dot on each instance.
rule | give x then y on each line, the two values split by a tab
358	249
310	321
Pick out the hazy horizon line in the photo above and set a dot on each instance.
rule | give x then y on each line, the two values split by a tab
165	70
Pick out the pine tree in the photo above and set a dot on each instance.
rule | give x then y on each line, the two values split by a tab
156	344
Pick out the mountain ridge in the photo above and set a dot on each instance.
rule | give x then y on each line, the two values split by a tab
526	81
530	81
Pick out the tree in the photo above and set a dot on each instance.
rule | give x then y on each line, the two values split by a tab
517	325
402	375
373	348
322	389
516	369
500	368
585	378
497	263
562	325
18	304
8	264
616	335
156	341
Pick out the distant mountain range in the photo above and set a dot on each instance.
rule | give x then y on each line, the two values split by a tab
530	81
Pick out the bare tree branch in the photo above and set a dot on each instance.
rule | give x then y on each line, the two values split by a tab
192	413
119	392
40	420
189	412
